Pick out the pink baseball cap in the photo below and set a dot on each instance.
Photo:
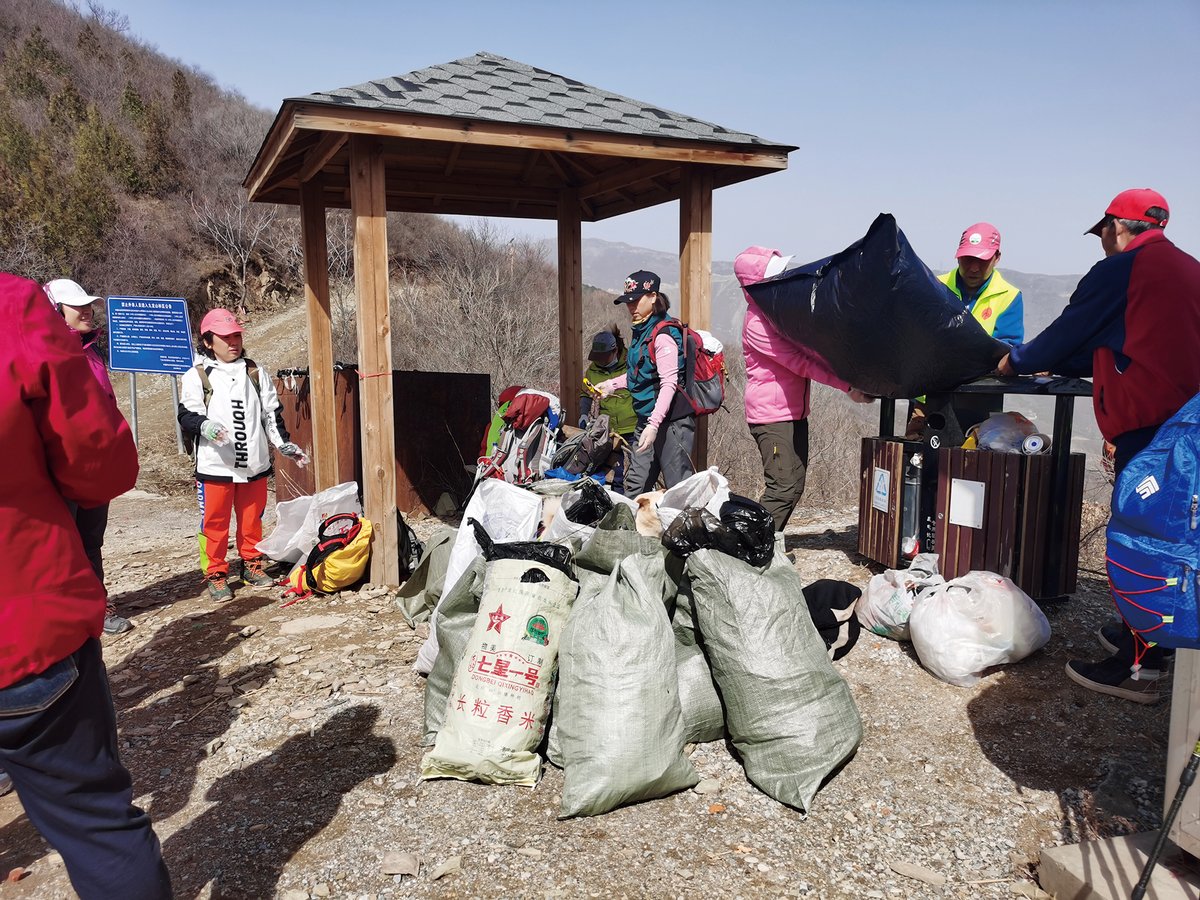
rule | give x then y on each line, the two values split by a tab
220	321
981	241
1135	204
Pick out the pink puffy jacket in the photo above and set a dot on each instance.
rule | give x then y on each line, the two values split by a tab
777	369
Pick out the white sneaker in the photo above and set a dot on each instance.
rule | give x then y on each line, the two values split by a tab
5	783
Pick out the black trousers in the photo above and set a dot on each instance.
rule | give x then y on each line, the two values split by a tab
58	743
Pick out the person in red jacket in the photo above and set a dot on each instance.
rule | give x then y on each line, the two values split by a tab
1133	323
77	307
64	443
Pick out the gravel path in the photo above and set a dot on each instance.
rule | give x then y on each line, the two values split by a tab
277	751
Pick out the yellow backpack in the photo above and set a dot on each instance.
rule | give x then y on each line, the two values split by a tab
339	559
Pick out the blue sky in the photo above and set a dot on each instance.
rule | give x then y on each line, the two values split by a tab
1031	115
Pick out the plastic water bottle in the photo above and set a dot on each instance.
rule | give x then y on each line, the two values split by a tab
910	509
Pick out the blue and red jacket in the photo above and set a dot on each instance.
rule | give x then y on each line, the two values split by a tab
1133	323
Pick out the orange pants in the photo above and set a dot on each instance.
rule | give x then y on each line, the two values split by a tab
218	501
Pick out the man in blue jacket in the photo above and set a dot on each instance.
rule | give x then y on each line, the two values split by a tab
1133	324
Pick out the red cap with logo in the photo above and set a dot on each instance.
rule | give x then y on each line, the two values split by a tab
981	240
220	321
1135	204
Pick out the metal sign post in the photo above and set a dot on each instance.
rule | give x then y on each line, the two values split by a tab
152	335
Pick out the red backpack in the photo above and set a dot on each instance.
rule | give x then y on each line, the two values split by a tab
702	391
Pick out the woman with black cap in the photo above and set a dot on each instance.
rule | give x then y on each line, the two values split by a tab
607	358
654	371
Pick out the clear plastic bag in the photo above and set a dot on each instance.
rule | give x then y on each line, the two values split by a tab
297	521
887	602
971	623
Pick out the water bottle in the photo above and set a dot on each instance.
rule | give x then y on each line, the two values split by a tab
910	508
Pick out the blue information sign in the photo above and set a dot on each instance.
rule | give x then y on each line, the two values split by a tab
149	334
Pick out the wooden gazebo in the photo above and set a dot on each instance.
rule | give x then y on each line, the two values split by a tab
480	136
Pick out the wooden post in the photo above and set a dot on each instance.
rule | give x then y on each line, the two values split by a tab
368	206
570	304
320	335
695	268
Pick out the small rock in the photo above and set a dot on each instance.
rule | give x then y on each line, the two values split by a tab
294	894
290	660
451	866
320	890
708	786
302	712
919	873
374	801
529	851
15	875
716	808
213	746
400	863
191	679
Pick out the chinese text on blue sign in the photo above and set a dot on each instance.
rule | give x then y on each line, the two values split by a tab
149	334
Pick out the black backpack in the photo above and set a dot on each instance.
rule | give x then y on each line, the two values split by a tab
588	451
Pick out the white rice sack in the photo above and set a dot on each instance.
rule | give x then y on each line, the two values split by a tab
499	700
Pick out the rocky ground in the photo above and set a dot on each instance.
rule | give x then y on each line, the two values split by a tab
277	750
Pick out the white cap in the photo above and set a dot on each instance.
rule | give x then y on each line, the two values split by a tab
66	292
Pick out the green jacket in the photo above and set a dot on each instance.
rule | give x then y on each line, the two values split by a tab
619	407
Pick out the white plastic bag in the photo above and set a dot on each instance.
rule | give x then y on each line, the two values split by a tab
507	513
708	489
887	602
297	521
979	620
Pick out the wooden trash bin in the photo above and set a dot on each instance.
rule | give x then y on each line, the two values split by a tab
440	419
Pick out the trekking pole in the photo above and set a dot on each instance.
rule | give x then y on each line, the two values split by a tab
1185	781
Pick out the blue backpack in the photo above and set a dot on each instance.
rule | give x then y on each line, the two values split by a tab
1154	535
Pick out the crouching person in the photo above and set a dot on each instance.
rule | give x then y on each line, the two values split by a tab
231	409
66	443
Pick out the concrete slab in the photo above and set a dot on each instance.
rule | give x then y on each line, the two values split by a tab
1109	869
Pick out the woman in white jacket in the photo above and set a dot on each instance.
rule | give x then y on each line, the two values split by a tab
233	411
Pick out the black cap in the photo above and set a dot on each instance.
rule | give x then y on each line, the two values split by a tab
637	285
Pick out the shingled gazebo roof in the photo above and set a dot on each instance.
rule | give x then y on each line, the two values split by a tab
486	135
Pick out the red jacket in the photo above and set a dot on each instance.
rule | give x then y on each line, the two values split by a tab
63	437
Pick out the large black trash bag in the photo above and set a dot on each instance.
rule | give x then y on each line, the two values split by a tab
698	529
548	554
745	530
880	317
754	527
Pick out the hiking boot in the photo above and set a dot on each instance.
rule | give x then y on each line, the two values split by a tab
1114	677
218	587
254	572
1114	637
114	624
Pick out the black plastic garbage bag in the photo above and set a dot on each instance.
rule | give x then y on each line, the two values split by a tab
586	503
698	529
880	317
555	555
753	526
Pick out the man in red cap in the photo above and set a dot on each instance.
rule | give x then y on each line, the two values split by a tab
1133	323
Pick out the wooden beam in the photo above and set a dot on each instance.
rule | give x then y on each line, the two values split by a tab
368	206
496	134
283	130
570	304
623	177
319	156
320	335
695	269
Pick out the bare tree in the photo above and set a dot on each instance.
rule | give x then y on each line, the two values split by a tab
237	229
21	253
108	18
